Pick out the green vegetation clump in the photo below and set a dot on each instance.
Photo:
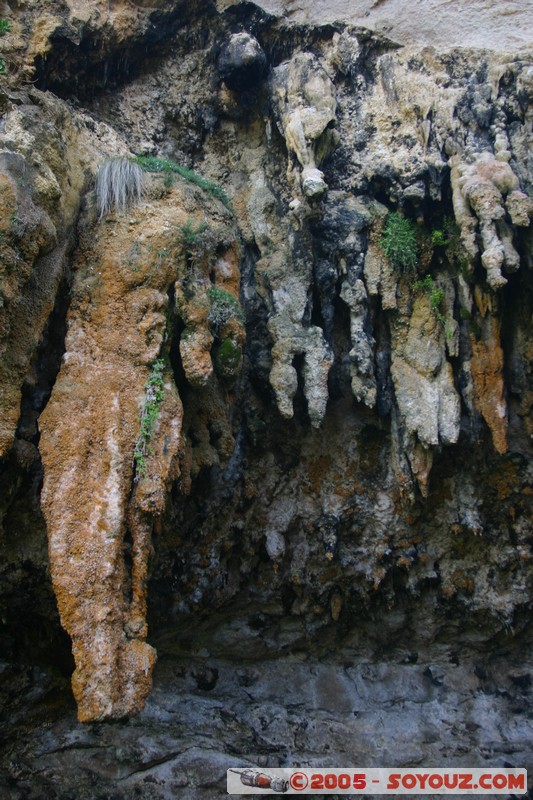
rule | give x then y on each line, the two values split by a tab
398	242
455	249
435	293
165	165
223	307
155	392
438	238
423	285
190	233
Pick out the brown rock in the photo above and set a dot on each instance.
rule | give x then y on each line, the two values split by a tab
96	509
487	374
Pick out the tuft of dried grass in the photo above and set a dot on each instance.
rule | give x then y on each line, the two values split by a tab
119	184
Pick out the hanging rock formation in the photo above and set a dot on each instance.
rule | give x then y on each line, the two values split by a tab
304	103
104	491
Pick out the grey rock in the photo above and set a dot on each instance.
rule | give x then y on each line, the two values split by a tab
242	63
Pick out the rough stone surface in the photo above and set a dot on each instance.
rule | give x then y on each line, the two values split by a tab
479	191
304	104
423	378
492	24
116	328
242	62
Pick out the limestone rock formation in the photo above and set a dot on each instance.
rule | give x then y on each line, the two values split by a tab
304	103
242	62
480	188
103	487
33	257
423	378
115	331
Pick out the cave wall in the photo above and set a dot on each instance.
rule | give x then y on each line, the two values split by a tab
328	533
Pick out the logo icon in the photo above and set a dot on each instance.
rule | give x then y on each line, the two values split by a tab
260	780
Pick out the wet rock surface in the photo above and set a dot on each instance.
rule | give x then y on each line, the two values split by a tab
327	536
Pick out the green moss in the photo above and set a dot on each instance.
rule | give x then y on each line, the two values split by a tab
434	293
424	285
436	297
5	26
398	242
464	313
165	165
228	357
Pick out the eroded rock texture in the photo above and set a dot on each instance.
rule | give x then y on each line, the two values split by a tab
258	436
97	493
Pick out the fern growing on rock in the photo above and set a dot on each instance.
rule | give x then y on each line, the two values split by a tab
119	184
398	242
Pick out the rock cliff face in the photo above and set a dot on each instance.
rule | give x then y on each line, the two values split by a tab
266	370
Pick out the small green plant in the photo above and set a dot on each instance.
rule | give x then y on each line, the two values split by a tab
435	294
2	66
438	238
5	27
436	297
398	242
424	285
155	392
189	233
223	306
165	165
